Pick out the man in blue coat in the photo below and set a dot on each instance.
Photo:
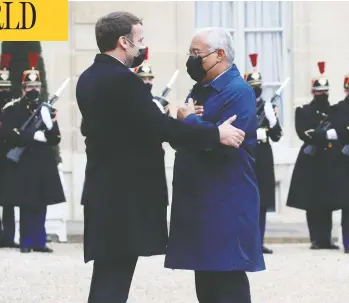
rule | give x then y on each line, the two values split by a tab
215	207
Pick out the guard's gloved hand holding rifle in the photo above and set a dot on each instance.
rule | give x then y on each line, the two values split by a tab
324	126
266	111
269	114
42	114
39	135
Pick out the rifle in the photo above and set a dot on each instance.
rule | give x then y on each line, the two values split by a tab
34	122
167	89
277	94
323	126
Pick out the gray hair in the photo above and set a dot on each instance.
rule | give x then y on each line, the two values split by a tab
218	38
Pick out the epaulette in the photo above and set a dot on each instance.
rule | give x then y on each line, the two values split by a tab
10	103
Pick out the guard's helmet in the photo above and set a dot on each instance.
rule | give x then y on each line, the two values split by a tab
320	83
253	78
31	77
144	70
5	81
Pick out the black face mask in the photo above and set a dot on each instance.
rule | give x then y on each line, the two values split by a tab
4	96
32	95
321	98
195	69
138	60
257	91
149	86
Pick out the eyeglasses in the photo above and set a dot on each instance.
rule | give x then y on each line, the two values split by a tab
196	53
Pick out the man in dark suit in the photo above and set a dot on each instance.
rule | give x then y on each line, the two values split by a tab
125	192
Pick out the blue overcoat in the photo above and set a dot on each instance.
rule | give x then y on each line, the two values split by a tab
215	203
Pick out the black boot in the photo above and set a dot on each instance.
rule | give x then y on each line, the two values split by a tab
331	246
44	249
267	250
346	249
6	244
314	245
25	250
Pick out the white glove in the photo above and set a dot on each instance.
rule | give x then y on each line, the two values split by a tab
261	134
46	117
40	136
331	134
270	114
60	167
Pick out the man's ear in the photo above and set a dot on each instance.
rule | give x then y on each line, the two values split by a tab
121	42
221	54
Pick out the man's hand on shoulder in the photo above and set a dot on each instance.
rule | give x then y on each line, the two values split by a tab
230	135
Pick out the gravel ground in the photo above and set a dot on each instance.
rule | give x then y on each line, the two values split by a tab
294	274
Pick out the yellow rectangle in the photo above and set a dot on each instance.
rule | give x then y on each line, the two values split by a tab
34	20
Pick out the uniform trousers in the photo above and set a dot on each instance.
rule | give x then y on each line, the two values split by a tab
262	222
222	287
111	280
320	226
32	227
8	225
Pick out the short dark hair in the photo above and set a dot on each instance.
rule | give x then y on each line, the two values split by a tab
111	27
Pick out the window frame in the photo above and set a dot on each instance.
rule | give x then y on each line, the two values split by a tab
239	39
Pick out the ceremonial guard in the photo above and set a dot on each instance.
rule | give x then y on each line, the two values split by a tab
341	124
7	224
33	182
268	129
145	72
319	182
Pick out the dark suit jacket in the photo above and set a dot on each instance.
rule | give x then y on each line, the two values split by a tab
125	192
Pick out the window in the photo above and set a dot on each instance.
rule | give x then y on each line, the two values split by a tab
214	13
256	27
